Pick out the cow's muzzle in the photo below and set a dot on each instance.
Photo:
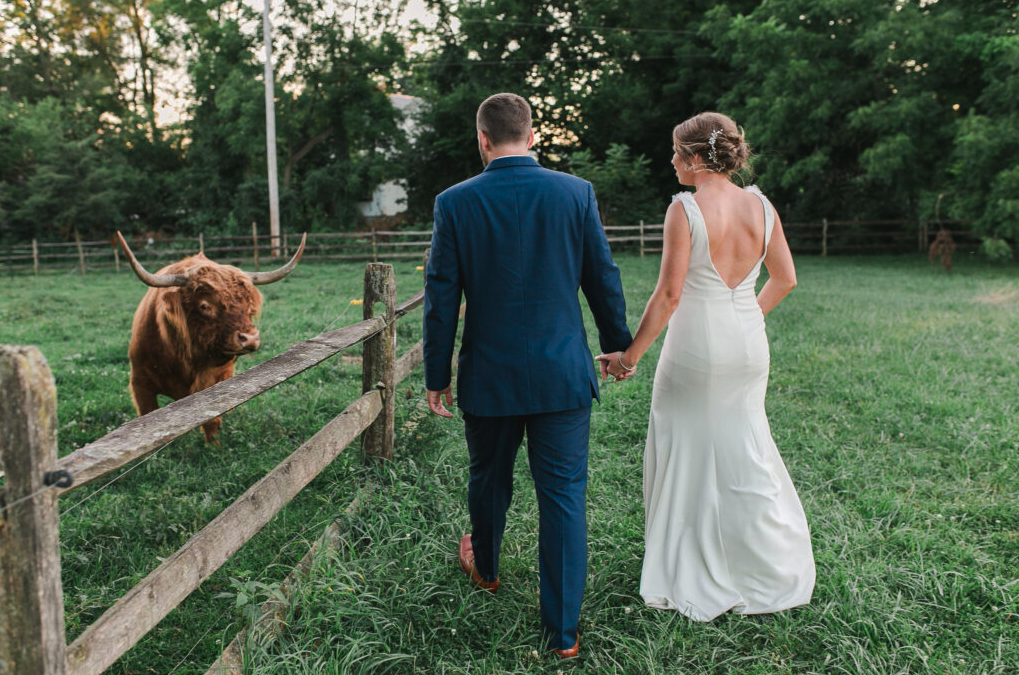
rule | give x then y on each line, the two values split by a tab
245	343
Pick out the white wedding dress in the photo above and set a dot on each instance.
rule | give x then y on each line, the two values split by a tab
724	528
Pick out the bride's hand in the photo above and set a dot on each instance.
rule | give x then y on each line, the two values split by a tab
611	365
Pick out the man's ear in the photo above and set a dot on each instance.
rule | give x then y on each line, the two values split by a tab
530	139
483	141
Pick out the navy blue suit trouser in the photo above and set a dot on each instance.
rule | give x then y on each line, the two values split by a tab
557	452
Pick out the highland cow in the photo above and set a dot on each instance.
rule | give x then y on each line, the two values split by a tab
193	323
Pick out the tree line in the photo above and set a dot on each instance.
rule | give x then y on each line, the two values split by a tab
855	108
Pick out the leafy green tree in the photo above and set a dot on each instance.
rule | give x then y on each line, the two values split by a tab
340	134
41	57
484	47
894	109
82	146
226	121
660	68
802	70
877	110
54	185
947	67
597	73
336	129
984	163
620	183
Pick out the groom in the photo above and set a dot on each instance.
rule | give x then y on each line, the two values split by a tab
518	241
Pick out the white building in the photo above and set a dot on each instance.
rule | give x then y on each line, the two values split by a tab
390	198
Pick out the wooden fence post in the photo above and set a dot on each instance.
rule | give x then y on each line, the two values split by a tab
81	251
642	239
254	241
116	257
285	254
379	359
35	257
824	238
921	239
201	242
31	596
424	272
375	253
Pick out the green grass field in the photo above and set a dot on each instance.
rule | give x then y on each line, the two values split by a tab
893	401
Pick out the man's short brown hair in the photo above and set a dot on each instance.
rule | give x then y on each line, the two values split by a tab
505	118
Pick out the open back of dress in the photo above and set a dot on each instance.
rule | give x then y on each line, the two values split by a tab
724	528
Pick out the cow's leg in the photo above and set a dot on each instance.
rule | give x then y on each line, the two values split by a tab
211	428
143	395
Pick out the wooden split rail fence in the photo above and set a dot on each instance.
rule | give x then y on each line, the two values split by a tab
82	256
820	238
32	636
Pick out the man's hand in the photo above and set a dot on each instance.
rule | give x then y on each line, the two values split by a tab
435	401
610	365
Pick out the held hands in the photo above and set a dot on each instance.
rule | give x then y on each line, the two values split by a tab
435	401
613	364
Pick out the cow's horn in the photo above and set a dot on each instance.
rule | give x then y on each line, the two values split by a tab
260	278
156	280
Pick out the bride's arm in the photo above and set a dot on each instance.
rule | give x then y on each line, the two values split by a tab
663	302
781	271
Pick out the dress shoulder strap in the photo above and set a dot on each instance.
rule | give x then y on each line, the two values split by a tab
689	205
769	213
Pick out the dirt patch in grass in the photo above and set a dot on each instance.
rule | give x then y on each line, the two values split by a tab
1001	297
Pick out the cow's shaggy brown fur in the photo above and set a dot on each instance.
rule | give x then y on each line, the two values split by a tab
187	338
942	249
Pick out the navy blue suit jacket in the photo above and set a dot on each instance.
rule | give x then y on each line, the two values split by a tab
519	241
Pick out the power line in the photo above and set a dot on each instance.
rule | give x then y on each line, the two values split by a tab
620	29
471	62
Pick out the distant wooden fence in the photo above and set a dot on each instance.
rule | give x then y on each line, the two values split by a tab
31	597
824	237
820	238
255	249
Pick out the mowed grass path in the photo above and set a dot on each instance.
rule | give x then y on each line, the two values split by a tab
892	399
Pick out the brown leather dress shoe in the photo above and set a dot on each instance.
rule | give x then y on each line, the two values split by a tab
467	565
569	653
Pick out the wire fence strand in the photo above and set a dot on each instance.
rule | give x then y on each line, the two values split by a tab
7	507
115	479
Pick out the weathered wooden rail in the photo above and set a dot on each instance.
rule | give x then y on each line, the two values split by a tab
32	638
819	237
822	238
82	256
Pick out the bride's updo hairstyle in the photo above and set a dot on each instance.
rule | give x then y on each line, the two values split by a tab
716	139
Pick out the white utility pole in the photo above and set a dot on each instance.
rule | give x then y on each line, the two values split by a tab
270	135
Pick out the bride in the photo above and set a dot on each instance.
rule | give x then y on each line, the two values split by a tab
724	528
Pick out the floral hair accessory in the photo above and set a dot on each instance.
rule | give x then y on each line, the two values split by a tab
712	154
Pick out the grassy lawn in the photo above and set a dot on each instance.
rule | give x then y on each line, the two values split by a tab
892	399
